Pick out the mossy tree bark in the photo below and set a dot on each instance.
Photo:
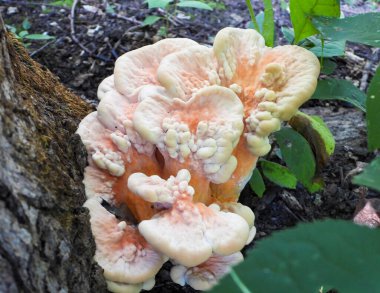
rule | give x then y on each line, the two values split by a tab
45	237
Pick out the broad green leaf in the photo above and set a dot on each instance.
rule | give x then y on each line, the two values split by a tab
278	174
317	134
151	19
257	183
361	28
297	154
373	110
38	37
328	49
314	44
194	4
158	3
370	176
332	254
268	25
328	66
340	89
26	24
302	12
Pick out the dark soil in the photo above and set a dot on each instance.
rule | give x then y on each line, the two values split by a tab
102	35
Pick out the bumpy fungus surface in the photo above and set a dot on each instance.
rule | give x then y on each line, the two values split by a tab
177	108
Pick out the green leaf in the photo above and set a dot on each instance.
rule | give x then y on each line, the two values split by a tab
297	154
278	174
162	31
340	89
316	185
328	66
151	19
268	25
194	4
373	110
38	37
26	24
11	28
110	9
317	134
66	3
23	34
288	34
302	12
328	49
362	28
259	21
158	3
257	183
321	49
332	254
370	176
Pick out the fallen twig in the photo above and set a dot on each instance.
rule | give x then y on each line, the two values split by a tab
43	47
75	39
367	70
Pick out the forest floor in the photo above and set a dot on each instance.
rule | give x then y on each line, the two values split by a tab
83	53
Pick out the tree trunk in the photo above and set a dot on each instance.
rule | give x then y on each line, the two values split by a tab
45	236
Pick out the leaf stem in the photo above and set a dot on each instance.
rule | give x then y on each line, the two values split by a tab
239	282
252	14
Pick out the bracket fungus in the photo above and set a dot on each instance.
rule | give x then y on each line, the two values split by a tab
175	138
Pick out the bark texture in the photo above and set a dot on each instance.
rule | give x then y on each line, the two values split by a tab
45	237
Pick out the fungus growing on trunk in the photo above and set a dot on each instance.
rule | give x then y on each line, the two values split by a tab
205	275
177	108
125	256
187	232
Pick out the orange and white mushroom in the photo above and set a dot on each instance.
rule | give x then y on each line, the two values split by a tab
186	231
198	134
205	275
121	251
179	105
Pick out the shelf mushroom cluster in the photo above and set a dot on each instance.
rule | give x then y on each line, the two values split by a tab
199	117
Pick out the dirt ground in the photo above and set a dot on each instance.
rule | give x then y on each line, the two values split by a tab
84	51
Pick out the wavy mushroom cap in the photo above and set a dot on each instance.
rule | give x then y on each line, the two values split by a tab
187	232
138	68
121	251
205	275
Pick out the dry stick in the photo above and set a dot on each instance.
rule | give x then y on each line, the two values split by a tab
72	26
43	47
130	19
367	70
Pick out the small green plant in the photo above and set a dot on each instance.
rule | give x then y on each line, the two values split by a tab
172	8
23	34
316	27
